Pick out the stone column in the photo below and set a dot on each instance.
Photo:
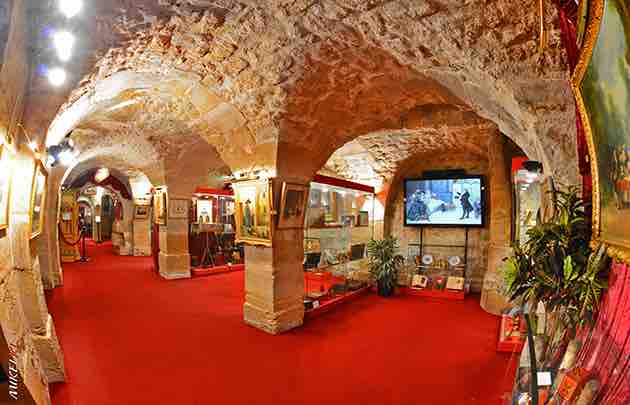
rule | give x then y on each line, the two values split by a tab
48	242
174	257
274	279
500	193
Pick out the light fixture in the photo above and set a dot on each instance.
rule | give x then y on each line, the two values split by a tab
64	42
101	174
57	76
70	8
63	153
32	146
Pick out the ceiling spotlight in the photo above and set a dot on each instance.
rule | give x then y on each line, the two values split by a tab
66	158
32	146
64	42
63	153
70	8
101	174
57	76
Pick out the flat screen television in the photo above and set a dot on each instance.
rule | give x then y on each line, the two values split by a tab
445	201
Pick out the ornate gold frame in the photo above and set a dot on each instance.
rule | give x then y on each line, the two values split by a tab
298	223
239	218
595	15
9	179
37	167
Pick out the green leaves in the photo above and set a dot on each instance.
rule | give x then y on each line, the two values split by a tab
556	265
383	261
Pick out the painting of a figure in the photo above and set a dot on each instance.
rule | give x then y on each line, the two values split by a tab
605	91
37	199
253	213
292	205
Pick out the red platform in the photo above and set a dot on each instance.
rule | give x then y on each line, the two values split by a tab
451	295
208	271
327	305
509	342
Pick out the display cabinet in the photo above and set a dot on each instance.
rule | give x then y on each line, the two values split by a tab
339	222
211	236
527	180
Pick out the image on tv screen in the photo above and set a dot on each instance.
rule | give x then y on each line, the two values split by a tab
457	202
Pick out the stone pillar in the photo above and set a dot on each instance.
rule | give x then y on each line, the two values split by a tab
500	193
274	283
174	257
48	242
274	279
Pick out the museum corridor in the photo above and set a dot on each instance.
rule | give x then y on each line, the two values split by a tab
130	337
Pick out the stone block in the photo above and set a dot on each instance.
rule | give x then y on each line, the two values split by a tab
174	266
50	353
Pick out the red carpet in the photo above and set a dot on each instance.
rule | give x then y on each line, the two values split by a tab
132	338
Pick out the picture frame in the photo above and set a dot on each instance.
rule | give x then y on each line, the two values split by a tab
293	205
363	219
159	206
5	188
178	208
348	220
600	86
38	199
141	211
254	210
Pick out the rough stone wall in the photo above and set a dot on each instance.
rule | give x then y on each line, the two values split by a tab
24	317
477	237
310	76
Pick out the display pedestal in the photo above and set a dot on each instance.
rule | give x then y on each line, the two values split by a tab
208	271
451	295
511	336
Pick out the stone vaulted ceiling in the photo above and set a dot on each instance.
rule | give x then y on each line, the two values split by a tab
296	80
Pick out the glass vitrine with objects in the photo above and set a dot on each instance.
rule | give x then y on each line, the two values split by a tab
339	223
211	236
528	195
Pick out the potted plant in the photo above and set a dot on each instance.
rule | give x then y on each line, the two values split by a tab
556	265
384	264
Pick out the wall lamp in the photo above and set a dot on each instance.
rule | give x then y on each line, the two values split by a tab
64	153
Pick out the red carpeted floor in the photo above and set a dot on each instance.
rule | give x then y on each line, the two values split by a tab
130	337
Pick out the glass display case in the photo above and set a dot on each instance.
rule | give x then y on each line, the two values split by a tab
339	222
211	236
527	199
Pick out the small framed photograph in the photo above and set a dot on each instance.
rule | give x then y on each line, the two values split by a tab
363	218
38	197
347	220
292	205
141	212
178	208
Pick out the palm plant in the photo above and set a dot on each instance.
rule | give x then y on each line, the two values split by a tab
556	265
384	263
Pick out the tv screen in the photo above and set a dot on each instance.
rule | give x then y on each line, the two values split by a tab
455	201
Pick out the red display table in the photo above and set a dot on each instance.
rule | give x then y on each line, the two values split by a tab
328	304
208	271
445	294
512	335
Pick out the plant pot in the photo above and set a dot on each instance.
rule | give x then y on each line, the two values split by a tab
385	289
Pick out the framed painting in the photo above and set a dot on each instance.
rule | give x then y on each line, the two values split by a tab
601	83
141	212
253	212
38	198
363	219
5	188
159	206
292	206
178	208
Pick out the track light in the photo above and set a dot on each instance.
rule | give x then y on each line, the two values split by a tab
56	76
70	8
63	153
64	42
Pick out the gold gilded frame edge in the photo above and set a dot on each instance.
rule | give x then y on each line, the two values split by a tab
595	16
239	219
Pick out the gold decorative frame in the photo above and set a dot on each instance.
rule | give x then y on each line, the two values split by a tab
238	212
7	191
595	16
159	206
292	221
141	211
37	170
